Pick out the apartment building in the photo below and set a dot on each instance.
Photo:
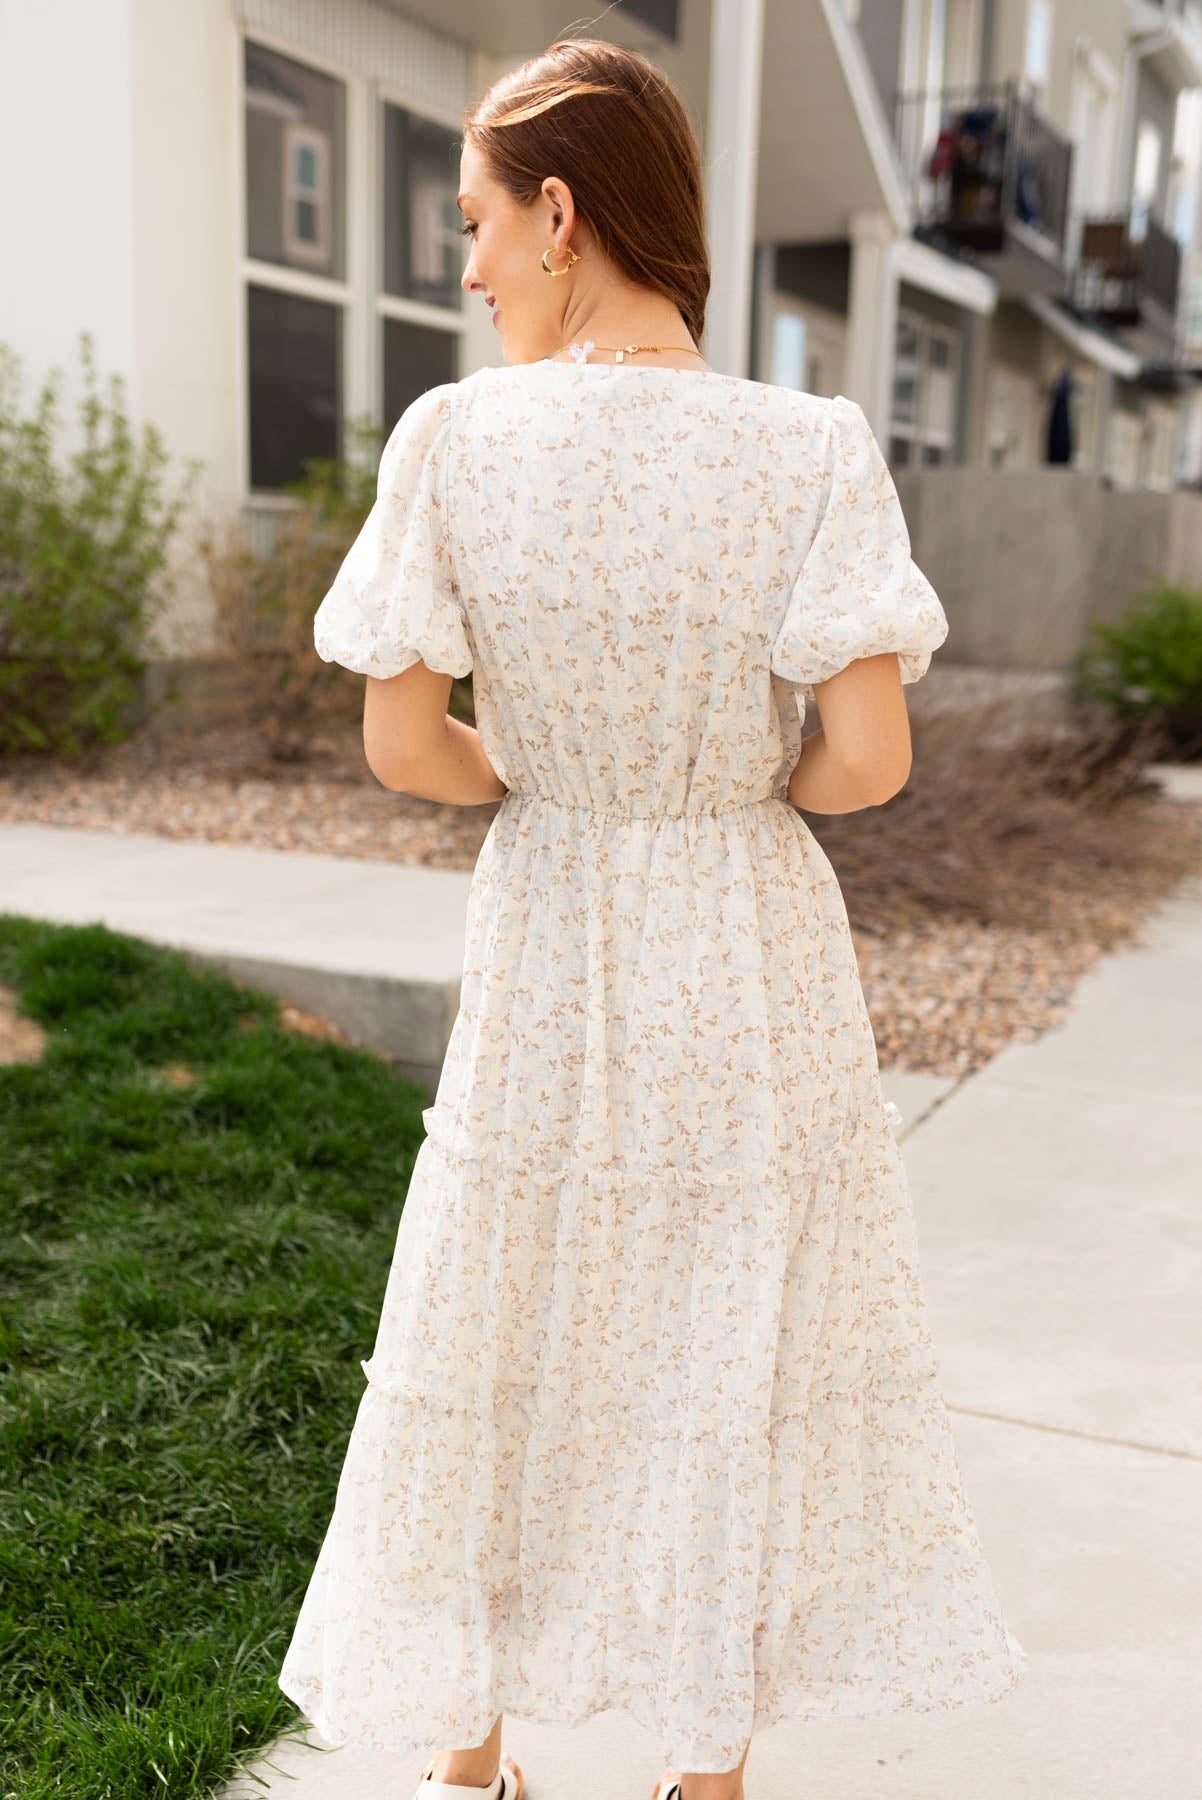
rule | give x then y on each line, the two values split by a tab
957	212
1040	304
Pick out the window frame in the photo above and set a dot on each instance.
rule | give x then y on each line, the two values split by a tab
397	306
359	294
299	137
919	433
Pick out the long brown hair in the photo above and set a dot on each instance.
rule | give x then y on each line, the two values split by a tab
611	124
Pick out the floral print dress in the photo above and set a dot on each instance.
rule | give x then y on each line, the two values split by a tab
653	1419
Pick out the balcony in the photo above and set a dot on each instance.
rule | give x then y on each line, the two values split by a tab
1128	274
988	175
1168	36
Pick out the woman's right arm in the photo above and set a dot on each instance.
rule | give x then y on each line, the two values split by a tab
861	755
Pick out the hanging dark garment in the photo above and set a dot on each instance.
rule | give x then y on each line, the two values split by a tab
1060	422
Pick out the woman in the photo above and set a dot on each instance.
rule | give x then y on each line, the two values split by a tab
653	1419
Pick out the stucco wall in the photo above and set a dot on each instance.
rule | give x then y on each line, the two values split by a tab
66	202
1024	559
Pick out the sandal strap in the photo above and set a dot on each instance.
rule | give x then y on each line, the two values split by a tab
455	1790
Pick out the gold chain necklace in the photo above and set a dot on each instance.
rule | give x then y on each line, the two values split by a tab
580	352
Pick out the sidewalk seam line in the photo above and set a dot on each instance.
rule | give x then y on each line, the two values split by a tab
1090	1437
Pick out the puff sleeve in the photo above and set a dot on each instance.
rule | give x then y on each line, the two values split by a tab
858	592
394	600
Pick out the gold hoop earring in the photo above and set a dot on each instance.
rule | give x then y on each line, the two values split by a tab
571	255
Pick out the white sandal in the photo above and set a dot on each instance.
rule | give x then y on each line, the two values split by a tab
506	1784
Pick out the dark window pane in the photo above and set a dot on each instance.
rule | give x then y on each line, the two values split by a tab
416	357
295	362
423	252
661	14
295	164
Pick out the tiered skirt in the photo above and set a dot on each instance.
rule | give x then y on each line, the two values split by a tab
653	1419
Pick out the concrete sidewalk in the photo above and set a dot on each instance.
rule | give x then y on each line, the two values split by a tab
1058	1195
375	946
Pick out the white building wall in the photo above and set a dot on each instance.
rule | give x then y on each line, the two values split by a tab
118	132
66	201
184	64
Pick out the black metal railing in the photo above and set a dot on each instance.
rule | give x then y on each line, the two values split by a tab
1119	271
978	158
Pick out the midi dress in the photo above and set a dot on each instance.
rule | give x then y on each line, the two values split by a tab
653	1419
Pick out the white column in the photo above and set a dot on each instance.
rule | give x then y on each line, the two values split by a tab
871	317
731	150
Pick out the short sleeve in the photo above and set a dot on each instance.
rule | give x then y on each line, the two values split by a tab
858	592
394	600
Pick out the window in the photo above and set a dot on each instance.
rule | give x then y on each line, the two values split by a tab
1191	315
295	185
1185	167
1012	405
1124	435
351	262
1085	415
422	251
1092	111
416	357
295	366
926	379
1145	177
423	258
307	196
295	154
905	394
1160	436
1037	62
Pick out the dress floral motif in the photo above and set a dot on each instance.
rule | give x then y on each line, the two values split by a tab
653	1419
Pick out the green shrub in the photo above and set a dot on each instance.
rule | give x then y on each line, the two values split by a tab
1147	665
83	544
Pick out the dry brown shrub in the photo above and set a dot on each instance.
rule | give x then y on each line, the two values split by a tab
263	608
267	575
1012	821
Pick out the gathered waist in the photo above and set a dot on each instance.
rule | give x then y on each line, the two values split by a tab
617	809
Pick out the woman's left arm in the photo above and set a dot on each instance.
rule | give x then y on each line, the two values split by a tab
413	746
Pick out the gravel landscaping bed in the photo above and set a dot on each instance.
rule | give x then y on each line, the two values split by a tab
945	993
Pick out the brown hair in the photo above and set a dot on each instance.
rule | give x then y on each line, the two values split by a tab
611	124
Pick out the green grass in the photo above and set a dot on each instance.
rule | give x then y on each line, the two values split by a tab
189	1276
